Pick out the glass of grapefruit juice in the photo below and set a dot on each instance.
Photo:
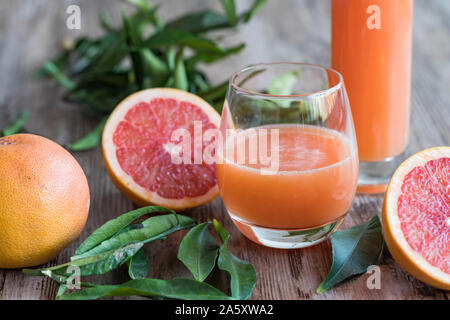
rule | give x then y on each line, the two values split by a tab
372	48
287	166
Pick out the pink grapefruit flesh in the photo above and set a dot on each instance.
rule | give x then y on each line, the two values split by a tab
416	216
138	145
424	211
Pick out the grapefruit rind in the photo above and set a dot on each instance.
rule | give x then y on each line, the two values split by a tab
44	202
121	179
398	246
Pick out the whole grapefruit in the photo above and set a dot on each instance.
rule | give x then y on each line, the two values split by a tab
44	200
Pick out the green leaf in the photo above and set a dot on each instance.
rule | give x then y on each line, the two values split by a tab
198	251
99	72
169	37
18	124
96	264
199	82
154	228
284	84
211	57
242	273
217	92
52	69
141	4
199	22
155	68
180	77
230	10
91	140
114	226
221	231
105	21
60	62
114	51
170	56
61	290
354	250
133	40
138	265
88	51
256	6
185	289
312	234
145	16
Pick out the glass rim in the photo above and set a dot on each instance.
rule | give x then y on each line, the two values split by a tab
235	86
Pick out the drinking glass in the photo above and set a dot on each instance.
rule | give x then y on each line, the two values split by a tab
287	164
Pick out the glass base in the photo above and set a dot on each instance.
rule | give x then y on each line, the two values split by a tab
287	239
374	176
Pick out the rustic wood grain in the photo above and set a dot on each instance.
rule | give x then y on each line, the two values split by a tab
295	30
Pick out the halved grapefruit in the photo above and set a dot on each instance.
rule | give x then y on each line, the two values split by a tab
138	149
416	216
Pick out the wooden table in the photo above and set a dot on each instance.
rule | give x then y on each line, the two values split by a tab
30	31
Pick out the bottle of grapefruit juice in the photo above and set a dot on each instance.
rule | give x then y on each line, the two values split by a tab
371	48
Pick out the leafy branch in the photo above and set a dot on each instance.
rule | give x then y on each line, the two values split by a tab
144	52
120	241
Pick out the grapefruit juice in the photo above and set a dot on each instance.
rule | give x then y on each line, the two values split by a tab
371	48
313	186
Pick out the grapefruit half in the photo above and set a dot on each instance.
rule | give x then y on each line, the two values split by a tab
416	216
139	148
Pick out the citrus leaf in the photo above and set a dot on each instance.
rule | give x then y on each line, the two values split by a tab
185	289
230	9
53	70
155	68
199	22
114	226
114	51
211	57
168	37
283	84
354	250
98	264
180	77
242	273
138	265
61	290
18	124
141	4
198	251
256	6
60	62
221	231
105	21
132	39
88	51
217	92
91	140
154	228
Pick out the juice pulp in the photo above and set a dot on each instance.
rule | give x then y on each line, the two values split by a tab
314	185
376	65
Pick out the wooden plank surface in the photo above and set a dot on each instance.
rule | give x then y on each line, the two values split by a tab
294	30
